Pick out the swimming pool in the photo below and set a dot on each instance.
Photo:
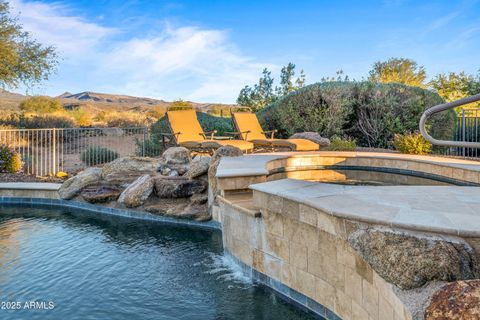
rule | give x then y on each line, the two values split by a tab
64	264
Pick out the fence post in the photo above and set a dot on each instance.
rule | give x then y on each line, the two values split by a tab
54	156
463	130
145	132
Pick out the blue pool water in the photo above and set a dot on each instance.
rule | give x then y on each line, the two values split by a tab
60	264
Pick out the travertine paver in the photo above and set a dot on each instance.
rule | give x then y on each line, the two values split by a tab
30	186
256	164
446	209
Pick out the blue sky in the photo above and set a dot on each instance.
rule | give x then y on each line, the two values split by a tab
208	50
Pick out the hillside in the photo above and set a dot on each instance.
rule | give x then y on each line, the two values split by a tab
106	102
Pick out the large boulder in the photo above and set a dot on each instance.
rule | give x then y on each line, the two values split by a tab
312	136
225	151
411	260
137	192
456	301
179	208
175	160
100	193
75	184
127	169
198	167
178	187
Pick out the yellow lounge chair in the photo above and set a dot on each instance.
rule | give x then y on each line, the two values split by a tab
249	129
187	132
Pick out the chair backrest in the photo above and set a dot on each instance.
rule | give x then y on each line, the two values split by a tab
185	122
247	121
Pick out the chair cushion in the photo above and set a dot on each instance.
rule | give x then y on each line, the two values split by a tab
215	144
293	144
185	122
246	121
190	144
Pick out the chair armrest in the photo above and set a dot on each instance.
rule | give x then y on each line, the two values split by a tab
272	133
211	133
239	133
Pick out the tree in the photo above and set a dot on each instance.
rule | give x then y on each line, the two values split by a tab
263	93
399	70
454	86
260	95
22	59
180	105
40	105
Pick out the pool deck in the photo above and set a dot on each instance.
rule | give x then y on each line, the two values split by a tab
451	210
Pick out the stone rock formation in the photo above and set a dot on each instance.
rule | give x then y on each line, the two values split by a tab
177	187
312	136
225	151
458	300
175	159
75	184
409	260
198	167
137	192
179	208
100	193
127	169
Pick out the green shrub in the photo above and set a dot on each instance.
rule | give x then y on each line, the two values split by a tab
46	121
412	143
371	113
94	155
41	105
338	144
10	160
148	148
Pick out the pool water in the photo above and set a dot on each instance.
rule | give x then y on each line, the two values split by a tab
361	177
77	266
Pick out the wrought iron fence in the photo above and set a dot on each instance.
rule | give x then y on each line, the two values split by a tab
49	151
467	130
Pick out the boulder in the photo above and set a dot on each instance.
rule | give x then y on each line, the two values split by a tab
178	187
175	159
179	208
100	193
127	169
410	260
458	300
225	151
199	198
312	136
176	155
198	167
75	184
137	192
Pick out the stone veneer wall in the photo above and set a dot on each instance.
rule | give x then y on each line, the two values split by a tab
306	250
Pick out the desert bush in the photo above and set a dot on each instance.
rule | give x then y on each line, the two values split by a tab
125	119
371	113
46	121
10	160
148	148
412	143
94	155
339	144
81	117
41	105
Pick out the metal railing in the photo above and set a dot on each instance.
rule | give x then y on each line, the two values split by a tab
48	151
442	107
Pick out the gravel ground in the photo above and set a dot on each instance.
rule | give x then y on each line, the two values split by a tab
19	177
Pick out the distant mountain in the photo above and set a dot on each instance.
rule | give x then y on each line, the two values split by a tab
105	101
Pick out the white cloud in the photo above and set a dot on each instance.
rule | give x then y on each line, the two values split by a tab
185	62
51	24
